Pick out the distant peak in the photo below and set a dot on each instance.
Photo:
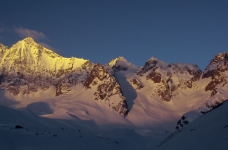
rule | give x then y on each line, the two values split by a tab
113	62
154	59
120	57
29	39
221	56
218	62
25	41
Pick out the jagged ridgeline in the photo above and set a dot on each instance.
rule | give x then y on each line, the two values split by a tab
27	67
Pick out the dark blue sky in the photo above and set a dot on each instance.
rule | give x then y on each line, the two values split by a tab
187	31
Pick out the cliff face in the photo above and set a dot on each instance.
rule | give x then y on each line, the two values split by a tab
107	89
217	71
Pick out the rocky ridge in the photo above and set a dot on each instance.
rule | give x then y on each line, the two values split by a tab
28	67
217	71
107	89
169	77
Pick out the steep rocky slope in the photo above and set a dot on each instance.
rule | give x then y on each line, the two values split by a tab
217	72
107	89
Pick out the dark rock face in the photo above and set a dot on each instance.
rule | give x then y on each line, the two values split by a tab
166	95
107	88
136	84
154	76
73	77
182	122
119	68
98	72
149	65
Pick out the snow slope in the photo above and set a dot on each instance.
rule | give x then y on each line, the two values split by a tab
210	131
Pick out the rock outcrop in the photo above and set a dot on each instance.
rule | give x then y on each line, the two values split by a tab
107	89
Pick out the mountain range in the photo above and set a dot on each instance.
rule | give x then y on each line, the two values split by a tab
156	99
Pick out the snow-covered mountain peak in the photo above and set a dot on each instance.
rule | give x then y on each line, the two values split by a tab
153	59
35	66
29	40
117	61
152	64
28	45
26	41
27	51
217	70
120	63
219	62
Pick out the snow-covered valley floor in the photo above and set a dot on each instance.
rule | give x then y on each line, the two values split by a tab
21	129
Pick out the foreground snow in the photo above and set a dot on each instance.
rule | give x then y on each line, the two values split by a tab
210	131
22	129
